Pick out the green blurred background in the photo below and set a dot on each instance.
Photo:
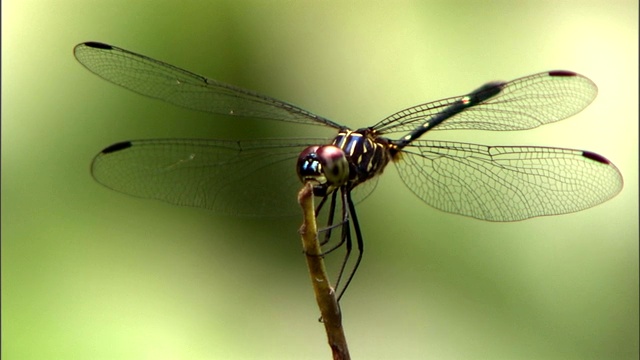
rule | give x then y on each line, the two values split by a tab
89	273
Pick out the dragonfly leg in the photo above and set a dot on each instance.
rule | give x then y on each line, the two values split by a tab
359	242
330	225
344	238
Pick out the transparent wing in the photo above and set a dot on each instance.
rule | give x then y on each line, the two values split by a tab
524	103
499	183
231	177
166	82
245	178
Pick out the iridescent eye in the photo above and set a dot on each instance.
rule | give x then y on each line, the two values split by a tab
309	166
336	166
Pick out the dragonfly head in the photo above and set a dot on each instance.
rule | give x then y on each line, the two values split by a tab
326	167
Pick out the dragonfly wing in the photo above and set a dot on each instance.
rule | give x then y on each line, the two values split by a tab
160	80
521	104
506	183
230	177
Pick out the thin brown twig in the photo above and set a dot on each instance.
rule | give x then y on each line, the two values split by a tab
325	294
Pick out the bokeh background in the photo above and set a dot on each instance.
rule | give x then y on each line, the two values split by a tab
88	273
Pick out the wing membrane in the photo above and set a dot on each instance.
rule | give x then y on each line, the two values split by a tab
231	177
160	80
506	183
524	103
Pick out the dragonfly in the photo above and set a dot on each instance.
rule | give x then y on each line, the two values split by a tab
249	177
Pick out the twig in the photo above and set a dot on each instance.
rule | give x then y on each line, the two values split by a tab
325	294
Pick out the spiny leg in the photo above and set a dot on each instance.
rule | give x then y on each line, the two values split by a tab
330	225
345	237
359	242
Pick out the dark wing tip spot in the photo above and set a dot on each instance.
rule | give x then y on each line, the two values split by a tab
116	147
562	73
98	45
595	157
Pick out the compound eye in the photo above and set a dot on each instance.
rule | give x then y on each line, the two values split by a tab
335	164
309	166
309	150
